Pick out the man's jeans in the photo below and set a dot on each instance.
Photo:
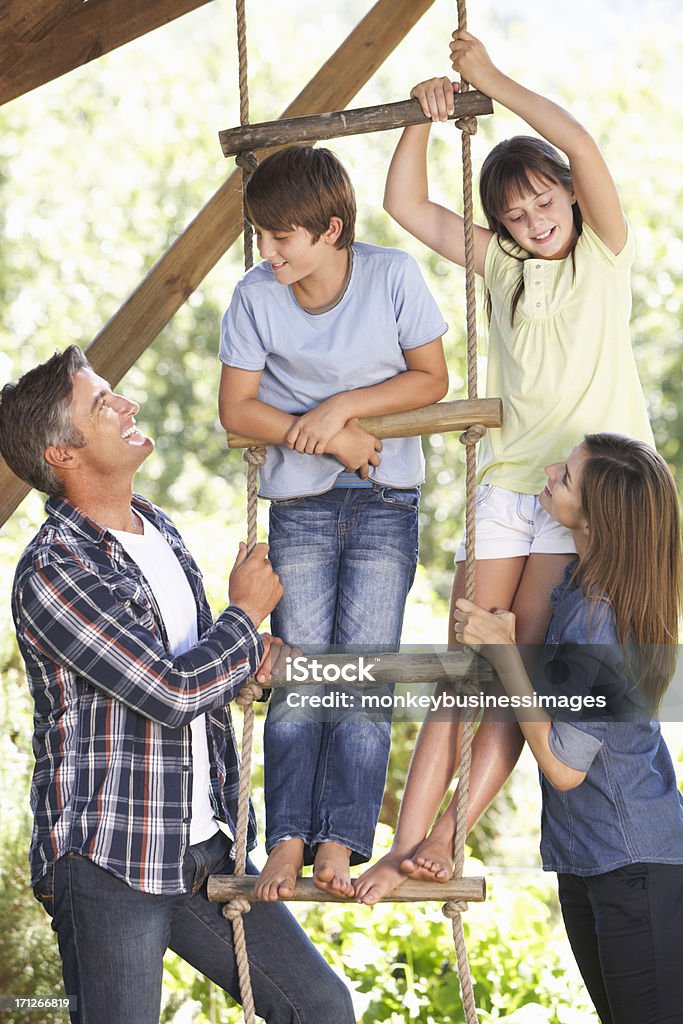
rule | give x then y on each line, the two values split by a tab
112	939
347	560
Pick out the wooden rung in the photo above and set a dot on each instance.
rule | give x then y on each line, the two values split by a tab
405	667
439	418
337	123
222	888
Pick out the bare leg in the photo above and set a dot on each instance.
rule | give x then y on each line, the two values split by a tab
497	744
331	869
278	878
437	752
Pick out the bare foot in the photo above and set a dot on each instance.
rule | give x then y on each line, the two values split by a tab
431	862
278	878
331	870
381	879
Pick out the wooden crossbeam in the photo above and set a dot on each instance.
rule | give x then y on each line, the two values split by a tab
440	418
406	667
222	888
72	33
339	123
197	250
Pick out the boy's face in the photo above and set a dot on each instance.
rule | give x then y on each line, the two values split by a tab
293	254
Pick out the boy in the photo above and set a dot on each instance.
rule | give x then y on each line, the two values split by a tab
324	331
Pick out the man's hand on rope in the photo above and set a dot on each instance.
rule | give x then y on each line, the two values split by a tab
356	449
254	586
313	431
275	654
436	97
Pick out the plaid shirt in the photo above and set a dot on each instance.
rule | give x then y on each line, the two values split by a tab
113	774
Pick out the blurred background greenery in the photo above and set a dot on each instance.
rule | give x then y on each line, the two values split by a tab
99	173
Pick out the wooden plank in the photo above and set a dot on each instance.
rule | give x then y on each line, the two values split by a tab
27	22
89	30
406	667
440	418
337	124
197	250
222	888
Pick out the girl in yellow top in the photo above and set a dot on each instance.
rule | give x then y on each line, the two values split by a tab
555	259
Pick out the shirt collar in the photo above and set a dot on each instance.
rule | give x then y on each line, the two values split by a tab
66	513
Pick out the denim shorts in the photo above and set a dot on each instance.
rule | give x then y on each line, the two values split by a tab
509	524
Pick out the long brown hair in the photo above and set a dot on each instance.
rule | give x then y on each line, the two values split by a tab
506	174
633	553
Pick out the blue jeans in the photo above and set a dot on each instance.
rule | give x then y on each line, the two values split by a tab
347	560
112	939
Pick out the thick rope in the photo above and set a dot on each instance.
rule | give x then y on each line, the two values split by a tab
469	438
255	457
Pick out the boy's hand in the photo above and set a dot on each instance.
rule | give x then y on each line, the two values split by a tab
356	449
254	586
471	60
436	97
313	431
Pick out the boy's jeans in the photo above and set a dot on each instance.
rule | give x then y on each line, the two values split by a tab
112	939
347	560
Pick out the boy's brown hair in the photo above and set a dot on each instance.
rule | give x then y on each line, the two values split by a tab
302	187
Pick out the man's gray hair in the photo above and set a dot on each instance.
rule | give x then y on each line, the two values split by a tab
35	413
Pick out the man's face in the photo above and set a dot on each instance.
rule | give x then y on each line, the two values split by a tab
107	422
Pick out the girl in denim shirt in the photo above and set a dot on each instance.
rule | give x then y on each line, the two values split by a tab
612	823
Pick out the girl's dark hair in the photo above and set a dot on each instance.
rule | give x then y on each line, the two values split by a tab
506	174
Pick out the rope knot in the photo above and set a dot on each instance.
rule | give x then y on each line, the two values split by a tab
235	908
451	909
467	125
248	161
473	434
255	456
250	692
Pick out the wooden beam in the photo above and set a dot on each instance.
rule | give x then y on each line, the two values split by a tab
337	124
405	667
440	418
81	33
222	888
197	250
22	22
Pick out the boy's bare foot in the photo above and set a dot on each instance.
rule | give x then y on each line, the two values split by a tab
381	879
278	878
431	862
331	870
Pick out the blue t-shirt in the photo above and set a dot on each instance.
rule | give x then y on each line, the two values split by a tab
307	357
628	808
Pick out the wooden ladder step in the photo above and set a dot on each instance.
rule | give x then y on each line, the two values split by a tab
223	888
338	123
439	418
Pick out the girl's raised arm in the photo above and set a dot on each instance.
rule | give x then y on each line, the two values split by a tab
594	187
406	195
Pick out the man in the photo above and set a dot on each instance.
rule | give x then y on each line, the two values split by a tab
135	757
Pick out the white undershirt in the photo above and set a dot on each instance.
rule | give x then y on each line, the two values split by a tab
178	609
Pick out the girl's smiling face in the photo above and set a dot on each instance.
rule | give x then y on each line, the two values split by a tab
542	221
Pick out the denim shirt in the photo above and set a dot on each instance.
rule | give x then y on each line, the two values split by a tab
628	808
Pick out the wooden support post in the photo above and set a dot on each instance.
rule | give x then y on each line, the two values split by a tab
440	418
223	888
403	667
197	250
339	123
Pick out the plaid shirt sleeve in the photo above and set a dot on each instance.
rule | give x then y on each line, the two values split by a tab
107	635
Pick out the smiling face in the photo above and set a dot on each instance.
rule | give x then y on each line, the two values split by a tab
292	254
542	221
562	497
107	422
